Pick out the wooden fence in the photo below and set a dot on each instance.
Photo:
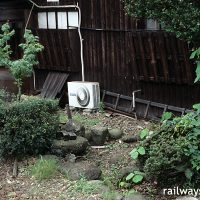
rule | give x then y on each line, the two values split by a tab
120	54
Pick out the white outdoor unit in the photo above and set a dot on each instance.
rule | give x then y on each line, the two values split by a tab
84	94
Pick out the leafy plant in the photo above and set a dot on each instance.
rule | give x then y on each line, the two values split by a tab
86	120
137	151
166	116
196	55
135	177
23	67
110	196
82	186
144	133
5	50
174	149
44	168
28	127
179	17
101	107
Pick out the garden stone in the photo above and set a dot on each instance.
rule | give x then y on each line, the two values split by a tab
75	127
66	135
186	198
88	134
78	170
99	135
134	196
130	138
115	133
77	147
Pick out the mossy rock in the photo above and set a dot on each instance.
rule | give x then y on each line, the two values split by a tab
77	147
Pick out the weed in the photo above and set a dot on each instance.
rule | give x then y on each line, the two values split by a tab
101	107
110	196
82	186
110	177
62	117
44	168
85	120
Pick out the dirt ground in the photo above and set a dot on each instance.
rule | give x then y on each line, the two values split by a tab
111	159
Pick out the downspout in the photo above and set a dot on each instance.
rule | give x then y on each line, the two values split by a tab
79	29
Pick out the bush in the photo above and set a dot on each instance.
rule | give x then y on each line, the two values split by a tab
29	127
172	152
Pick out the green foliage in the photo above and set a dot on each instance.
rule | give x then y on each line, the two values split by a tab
101	107
28	127
135	177
63	117
82	186
110	195
86	120
173	151
196	55
179	17
44	168
166	116
5	50
140	150
23	67
6	96
144	133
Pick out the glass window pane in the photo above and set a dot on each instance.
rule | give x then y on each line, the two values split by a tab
152	24
62	20
51	20
42	20
73	19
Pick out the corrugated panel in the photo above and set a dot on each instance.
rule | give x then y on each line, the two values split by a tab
53	84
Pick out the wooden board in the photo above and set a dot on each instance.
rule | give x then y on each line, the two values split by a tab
53	84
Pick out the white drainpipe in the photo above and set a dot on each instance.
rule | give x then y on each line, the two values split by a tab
79	28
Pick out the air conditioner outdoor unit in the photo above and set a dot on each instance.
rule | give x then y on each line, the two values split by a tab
84	94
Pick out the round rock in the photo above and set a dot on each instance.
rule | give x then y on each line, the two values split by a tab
115	133
88	134
75	127
77	147
99	135
130	138
78	170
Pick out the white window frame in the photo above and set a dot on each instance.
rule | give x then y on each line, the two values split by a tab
42	20
51	19
62	20
58	20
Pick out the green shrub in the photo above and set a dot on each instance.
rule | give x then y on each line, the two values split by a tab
44	168
172	152
29	127
6	96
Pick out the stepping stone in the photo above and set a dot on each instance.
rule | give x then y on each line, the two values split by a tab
77	147
115	133
99	135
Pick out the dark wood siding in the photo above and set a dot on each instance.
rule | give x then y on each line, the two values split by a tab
120	54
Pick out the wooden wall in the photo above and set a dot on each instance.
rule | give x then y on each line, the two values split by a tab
120	54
